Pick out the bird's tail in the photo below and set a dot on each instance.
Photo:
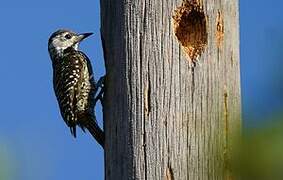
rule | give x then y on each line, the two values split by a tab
92	126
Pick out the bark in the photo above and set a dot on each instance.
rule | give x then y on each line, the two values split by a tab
172	101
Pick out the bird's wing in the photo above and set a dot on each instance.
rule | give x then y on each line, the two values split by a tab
65	82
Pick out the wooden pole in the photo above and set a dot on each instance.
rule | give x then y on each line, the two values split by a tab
172	102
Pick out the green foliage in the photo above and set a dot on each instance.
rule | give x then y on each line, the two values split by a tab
260	154
5	163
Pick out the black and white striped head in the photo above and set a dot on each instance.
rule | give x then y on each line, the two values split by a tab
63	39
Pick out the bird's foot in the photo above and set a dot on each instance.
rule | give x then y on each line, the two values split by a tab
99	96
100	84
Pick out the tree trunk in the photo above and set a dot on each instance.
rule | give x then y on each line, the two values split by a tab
172	101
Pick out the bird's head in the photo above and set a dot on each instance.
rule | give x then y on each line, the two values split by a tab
63	39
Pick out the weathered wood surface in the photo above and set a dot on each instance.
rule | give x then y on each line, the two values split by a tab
165	119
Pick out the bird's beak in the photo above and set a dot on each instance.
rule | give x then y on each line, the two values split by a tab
83	36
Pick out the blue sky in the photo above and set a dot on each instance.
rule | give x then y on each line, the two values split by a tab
35	143
261	59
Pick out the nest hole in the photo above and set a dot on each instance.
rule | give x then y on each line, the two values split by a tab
190	29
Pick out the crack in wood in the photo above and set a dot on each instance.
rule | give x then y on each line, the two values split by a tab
226	135
147	98
169	173
219	29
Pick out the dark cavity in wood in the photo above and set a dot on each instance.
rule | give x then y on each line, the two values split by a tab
190	29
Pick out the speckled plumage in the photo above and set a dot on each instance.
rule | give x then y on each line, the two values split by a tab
74	85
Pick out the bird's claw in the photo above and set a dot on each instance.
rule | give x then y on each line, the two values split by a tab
100	84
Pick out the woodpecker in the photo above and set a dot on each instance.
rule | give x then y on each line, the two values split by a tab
73	82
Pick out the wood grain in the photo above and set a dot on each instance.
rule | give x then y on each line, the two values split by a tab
159	111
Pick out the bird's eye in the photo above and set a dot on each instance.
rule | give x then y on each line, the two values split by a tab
68	36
